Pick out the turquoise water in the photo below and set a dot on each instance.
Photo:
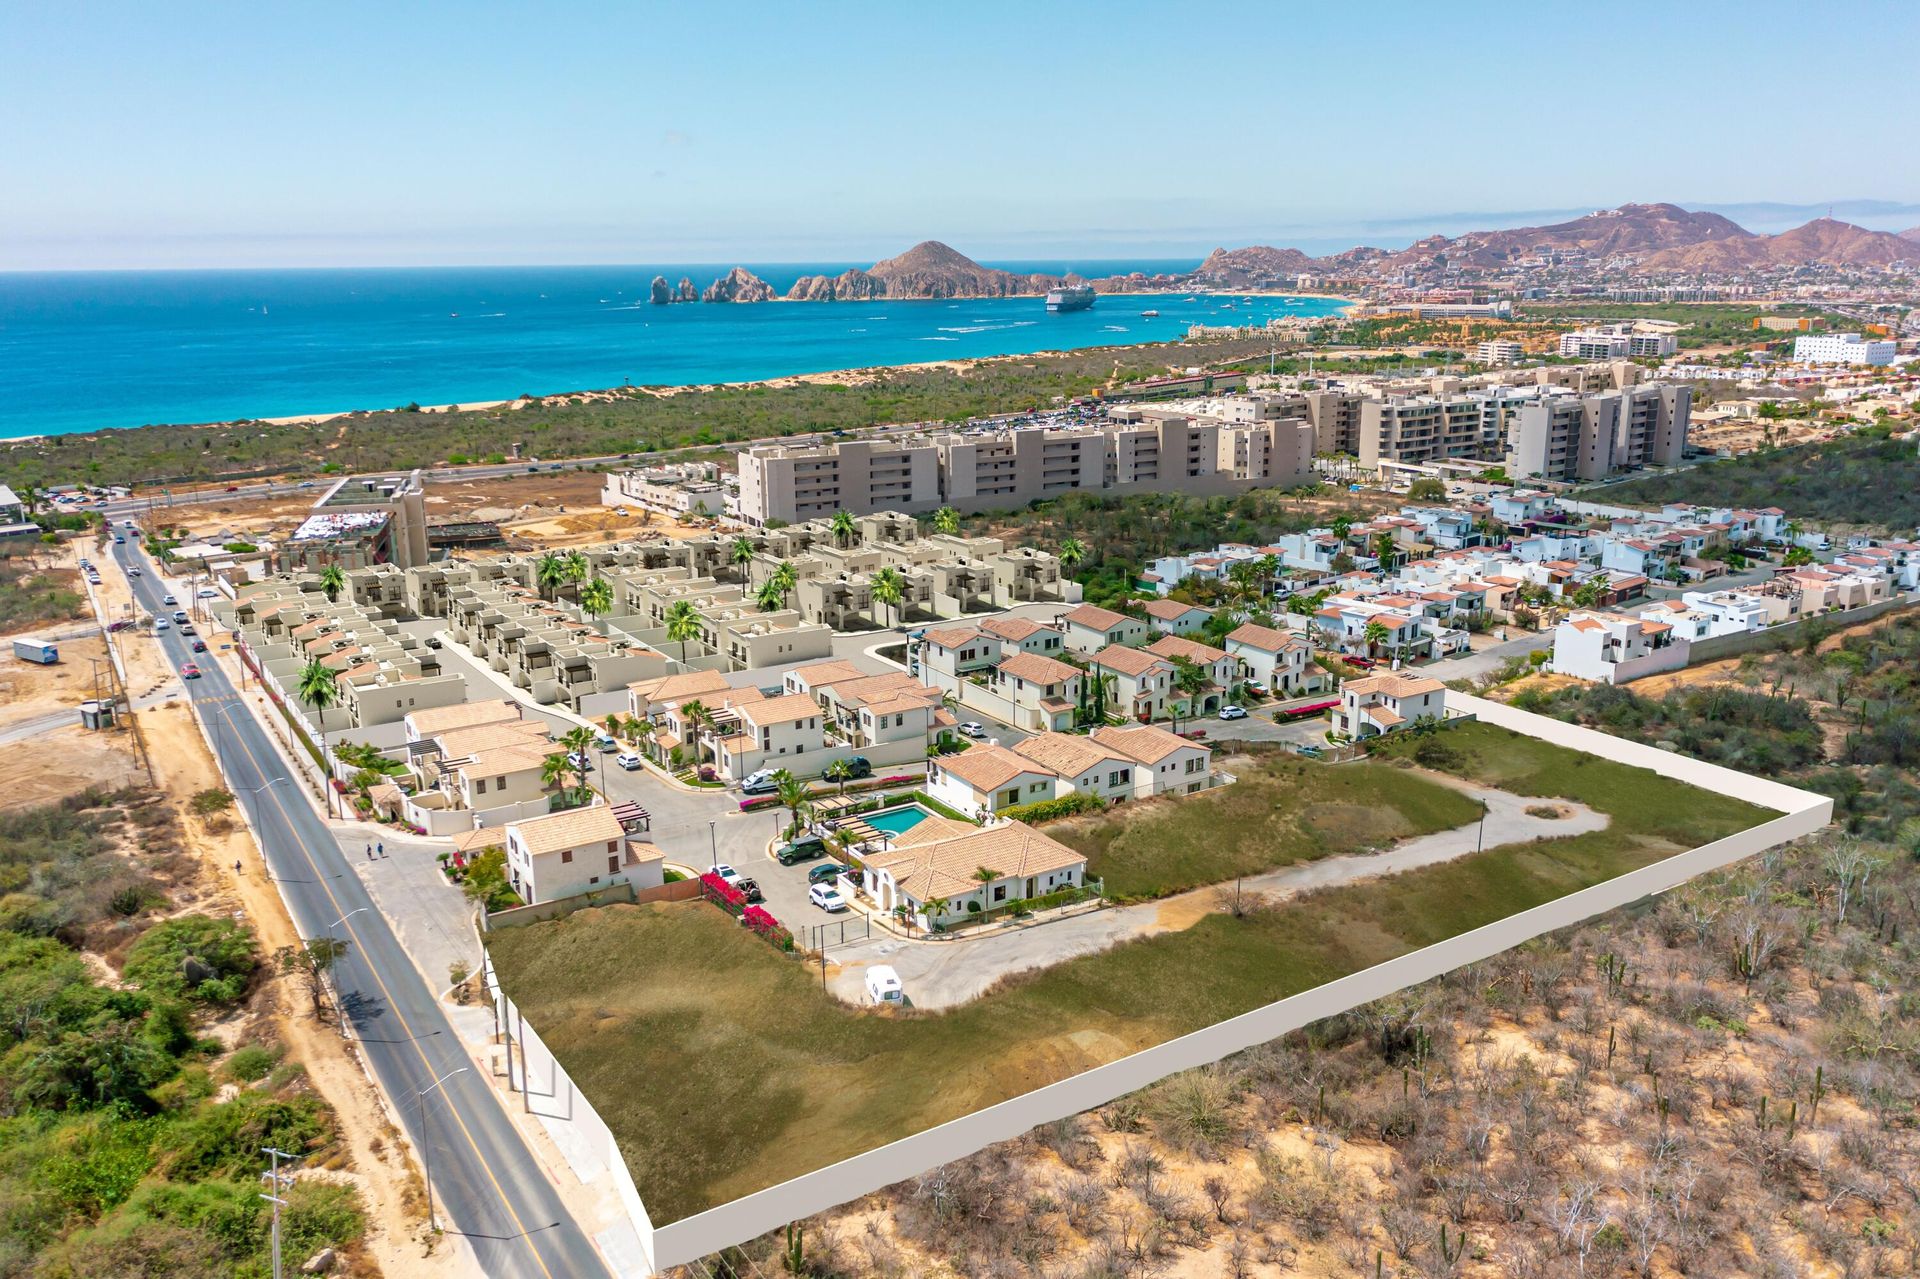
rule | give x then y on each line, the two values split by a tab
86	350
897	821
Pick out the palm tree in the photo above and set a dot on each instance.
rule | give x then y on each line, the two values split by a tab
794	796
936	909
596	597
1072	551
742	554
577	566
985	877
316	686
785	578
554	769
579	742
550	574
1341	526
843	527
332	581
1374	635
683	624
946	520
616	726
1383	548
839	771
1191	679
890	589
769	598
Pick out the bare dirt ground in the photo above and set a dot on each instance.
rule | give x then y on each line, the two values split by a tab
51	766
381	1168
29	690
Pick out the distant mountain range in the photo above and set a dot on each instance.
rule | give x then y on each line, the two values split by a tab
1652	238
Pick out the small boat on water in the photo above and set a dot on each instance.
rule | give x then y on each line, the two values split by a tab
1148	315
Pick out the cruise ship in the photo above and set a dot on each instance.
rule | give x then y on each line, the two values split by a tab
1070	297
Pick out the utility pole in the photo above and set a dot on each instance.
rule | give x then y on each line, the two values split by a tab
277	1181
426	1152
1480	844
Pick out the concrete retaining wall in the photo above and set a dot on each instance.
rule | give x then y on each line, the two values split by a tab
1789	633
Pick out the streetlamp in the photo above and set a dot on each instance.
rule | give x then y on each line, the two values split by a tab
713	842
344	918
426	1146
1480	843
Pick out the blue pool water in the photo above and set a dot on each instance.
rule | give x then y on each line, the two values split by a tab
86	350
897	821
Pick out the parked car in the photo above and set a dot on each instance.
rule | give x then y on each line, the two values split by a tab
827	898
859	766
973	728
760	784
433	641
190	671
801	850
580	761
199	646
724	871
751	889
883	986
206	593
1233	712
629	760
1258	690
826	873
605	742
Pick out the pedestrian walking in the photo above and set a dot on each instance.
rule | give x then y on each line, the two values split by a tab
383	849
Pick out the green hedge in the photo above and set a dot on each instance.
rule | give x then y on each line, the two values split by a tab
1047	810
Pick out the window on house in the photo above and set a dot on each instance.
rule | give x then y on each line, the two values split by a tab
999	892
480	786
613	865
594	880
500	782
566	856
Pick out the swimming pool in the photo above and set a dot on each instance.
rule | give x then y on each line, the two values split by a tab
896	821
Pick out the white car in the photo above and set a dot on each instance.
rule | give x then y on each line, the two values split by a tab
629	760
826	897
973	728
580	761
1233	712
161	624
206	593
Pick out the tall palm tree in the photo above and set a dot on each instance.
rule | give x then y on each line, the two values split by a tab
1072	551
794	796
317	685
550	574
577	566
696	716
332	581
786	578
843	527
946	520
683	624
770	598
1191	679
839	771
1383	548
1341	526
596	597
554	770
985	876
890	589
1374	635
579	743
742	554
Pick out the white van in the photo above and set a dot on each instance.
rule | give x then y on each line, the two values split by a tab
883	986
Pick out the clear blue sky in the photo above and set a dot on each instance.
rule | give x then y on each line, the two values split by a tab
200	134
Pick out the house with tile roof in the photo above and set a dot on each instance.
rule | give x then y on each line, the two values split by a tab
577	851
987	778
1169	763
1085	766
1142	682
1089	628
1278	661
940	870
1388	703
1175	618
1221	670
1044	694
1613	648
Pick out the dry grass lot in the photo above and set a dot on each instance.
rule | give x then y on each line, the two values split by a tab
724	1068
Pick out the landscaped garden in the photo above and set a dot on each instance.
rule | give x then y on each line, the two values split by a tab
608	989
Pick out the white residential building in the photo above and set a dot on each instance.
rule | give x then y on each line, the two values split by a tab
1842	348
1613	648
1387	703
574	852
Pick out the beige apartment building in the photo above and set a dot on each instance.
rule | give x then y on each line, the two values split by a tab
1568	437
362	520
1140	450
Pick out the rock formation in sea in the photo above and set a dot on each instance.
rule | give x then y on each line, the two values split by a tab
686	292
660	292
739	285
928	270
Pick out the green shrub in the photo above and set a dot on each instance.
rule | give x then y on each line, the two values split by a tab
1047	810
194	957
250	1063
225	1140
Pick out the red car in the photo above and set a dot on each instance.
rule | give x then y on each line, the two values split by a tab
199	646
190	671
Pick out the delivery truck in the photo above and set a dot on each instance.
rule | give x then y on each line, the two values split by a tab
33	650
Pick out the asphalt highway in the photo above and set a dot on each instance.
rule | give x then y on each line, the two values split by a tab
487	1185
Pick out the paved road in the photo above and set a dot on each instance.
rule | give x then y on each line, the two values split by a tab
486	1181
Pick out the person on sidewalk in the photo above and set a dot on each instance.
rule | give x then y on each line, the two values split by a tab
369	852
383	849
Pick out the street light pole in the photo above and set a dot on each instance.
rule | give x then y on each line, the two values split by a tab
276	1182
713	842
426	1145
1480	843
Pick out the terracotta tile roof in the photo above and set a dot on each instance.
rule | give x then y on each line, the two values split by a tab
951	636
439	719
1145	742
675	688
1067	754
1171	646
1128	661
574	828
1095	618
987	767
1036	668
1174	610
932	861
1012	628
1264	638
787	709
1394	685
827	673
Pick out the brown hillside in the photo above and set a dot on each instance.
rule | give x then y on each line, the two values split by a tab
1821	242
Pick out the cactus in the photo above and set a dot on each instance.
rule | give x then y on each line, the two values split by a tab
1760	1115
1793	1118
1450	1252
796	1257
1819	1091
1611	1032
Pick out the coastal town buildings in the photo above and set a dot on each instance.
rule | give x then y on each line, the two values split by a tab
362	520
1842	348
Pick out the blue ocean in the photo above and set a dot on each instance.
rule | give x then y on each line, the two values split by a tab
81	351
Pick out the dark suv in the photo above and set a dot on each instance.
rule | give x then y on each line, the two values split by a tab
801	850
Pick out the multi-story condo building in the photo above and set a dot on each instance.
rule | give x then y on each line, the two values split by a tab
1616	342
1494	351
1137	450
1430	428
1566	437
1841	348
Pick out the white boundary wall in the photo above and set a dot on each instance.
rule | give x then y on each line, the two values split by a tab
690	1238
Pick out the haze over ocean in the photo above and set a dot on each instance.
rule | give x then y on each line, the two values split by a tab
87	350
